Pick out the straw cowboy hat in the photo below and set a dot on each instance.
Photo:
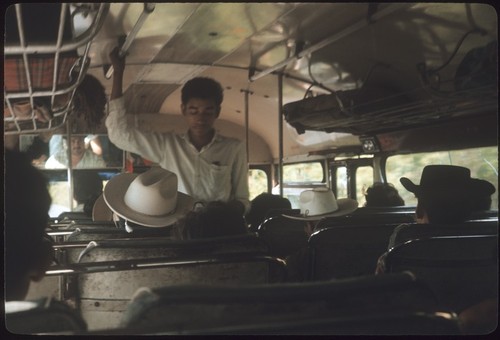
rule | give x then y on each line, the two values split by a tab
318	203
451	179
150	199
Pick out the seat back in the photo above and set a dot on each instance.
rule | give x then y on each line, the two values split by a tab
370	217
461	271
284	236
346	251
191	307
41	316
103	296
408	232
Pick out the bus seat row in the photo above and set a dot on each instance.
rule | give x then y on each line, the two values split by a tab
391	304
461	270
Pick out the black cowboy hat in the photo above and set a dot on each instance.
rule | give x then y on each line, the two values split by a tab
443	178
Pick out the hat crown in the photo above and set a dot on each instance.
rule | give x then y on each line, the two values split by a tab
444	176
153	193
318	201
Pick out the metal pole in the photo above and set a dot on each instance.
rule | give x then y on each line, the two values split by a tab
148	9
280	130
349	30
247	125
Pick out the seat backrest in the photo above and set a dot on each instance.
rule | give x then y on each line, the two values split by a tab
41	316
196	307
461	271
369	218
284	236
148	247
103	296
407	232
346	251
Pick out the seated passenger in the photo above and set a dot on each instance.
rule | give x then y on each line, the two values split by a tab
446	195
27	202
214	219
261	206
81	157
149	199
383	195
314	205
87	187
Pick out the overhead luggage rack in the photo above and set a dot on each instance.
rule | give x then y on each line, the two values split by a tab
341	112
45	61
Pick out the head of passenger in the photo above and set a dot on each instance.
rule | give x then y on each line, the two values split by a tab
90	103
214	219
483	192
149	199
201	104
87	187
202	88
28	253
77	145
262	205
319	203
446	194
383	195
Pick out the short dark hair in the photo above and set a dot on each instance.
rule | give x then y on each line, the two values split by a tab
215	219
87	187
204	88
383	195
262	205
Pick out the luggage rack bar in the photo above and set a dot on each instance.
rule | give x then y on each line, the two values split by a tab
22	110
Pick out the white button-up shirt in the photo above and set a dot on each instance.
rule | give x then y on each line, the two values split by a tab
219	171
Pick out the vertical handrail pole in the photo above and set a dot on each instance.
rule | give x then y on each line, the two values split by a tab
280	130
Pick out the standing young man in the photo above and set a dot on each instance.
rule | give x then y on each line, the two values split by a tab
209	166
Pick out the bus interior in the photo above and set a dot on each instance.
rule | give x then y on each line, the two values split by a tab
333	95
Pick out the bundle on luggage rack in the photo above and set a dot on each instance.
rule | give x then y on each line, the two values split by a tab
46	59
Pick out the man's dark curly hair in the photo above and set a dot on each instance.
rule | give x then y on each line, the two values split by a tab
204	88
90	101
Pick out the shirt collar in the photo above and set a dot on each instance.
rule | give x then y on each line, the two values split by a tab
217	138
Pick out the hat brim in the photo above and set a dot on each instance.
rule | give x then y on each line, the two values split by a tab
114	194
346	206
409	185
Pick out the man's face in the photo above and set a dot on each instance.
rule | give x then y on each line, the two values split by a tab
200	115
77	146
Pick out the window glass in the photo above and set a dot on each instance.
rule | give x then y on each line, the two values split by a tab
257	182
483	163
341	179
59	192
303	173
364	179
89	151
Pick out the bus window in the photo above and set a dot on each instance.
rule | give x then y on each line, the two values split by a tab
299	177
482	162
257	182
341	180
303	173
364	179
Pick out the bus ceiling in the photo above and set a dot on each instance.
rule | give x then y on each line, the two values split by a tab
353	75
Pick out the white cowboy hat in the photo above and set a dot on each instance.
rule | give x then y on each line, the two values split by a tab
320	202
150	199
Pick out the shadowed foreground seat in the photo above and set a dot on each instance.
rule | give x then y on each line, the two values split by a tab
292	308
41	316
461	271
